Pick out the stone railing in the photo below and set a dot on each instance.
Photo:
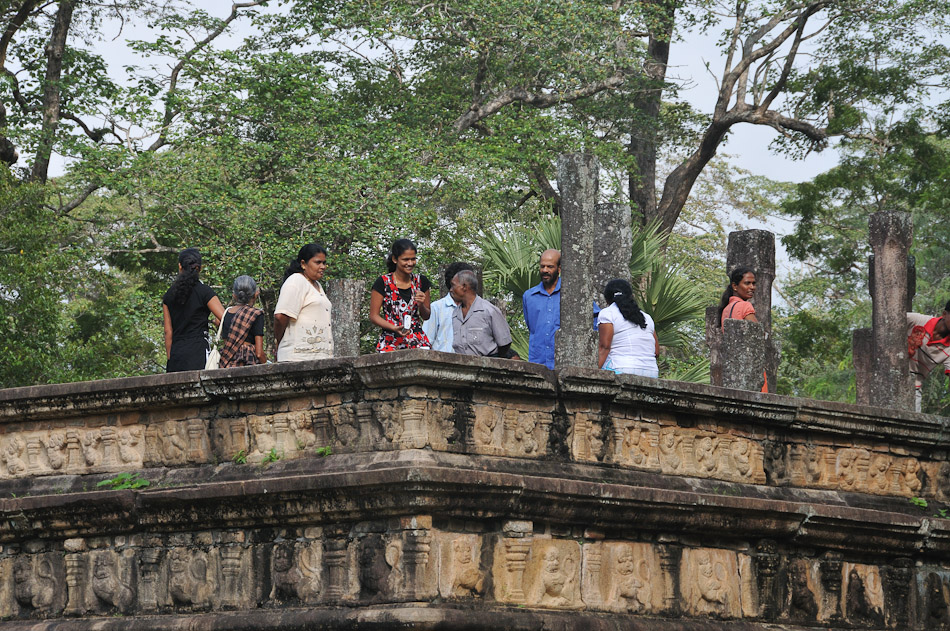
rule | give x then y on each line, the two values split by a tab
410	488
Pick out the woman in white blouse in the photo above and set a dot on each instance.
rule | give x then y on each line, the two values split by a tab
302	314
627	335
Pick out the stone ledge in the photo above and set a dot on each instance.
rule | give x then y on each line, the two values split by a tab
422	617
346	487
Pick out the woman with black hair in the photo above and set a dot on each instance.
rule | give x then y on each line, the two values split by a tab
185	310
735	299
302	314
399	301
628	342
735	304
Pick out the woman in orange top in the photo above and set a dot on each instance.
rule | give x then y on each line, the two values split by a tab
735	302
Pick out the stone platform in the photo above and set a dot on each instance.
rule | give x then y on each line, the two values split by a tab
432	491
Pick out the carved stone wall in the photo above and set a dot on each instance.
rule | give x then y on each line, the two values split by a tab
371	490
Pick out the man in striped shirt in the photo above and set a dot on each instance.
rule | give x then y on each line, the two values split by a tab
928	345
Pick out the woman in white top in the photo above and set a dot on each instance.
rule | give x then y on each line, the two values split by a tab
302	314
628	341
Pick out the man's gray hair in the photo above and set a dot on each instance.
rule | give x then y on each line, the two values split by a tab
468	278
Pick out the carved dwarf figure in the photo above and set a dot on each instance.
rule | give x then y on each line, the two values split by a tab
670	444
107	584
632	582
484	429
468	580
631	442
286	577
378	569
803	604
293	582
711	582
33	588
524	433
189	583
557	579
12	450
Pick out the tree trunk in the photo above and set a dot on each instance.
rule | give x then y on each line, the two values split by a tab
52	91
642	146
680	182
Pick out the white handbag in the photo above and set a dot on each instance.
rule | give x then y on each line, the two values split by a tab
214	355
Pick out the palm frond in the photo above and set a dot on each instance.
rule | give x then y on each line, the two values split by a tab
648	243
698	373
511	255
548	233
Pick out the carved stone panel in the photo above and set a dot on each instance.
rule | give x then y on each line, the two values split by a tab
489	430
191	579
935	597
38	585
709	583
863	593
552	574
460	571
804	591
110	582
623	577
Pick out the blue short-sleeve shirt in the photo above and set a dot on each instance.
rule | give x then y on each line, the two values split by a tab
542	314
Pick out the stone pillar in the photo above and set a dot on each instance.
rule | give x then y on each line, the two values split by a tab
346	295
575	343
861	356
755	249
714	342
744	355
890	235
613	243
911	280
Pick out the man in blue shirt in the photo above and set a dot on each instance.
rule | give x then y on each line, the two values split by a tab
438	328
542	310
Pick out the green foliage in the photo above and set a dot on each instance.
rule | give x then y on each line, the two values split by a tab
919	502
905	169
272	456
125	480
324	451
240	457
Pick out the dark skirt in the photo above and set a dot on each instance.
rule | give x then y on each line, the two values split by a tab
188	354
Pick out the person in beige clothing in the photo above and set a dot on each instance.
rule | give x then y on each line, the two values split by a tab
302	314
928	345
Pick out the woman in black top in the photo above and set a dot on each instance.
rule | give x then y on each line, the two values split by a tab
399	301
185	310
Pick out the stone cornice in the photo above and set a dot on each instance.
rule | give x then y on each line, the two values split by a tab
341	488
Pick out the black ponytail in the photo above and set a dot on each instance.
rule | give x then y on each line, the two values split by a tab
190	261
619	291
306	253
734	279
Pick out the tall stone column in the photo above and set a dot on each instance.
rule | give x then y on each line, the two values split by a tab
714	342
346	296
755	249
613	243
577	177
744	355
862	354
890	235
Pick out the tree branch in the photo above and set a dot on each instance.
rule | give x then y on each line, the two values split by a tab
170	112
478	112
